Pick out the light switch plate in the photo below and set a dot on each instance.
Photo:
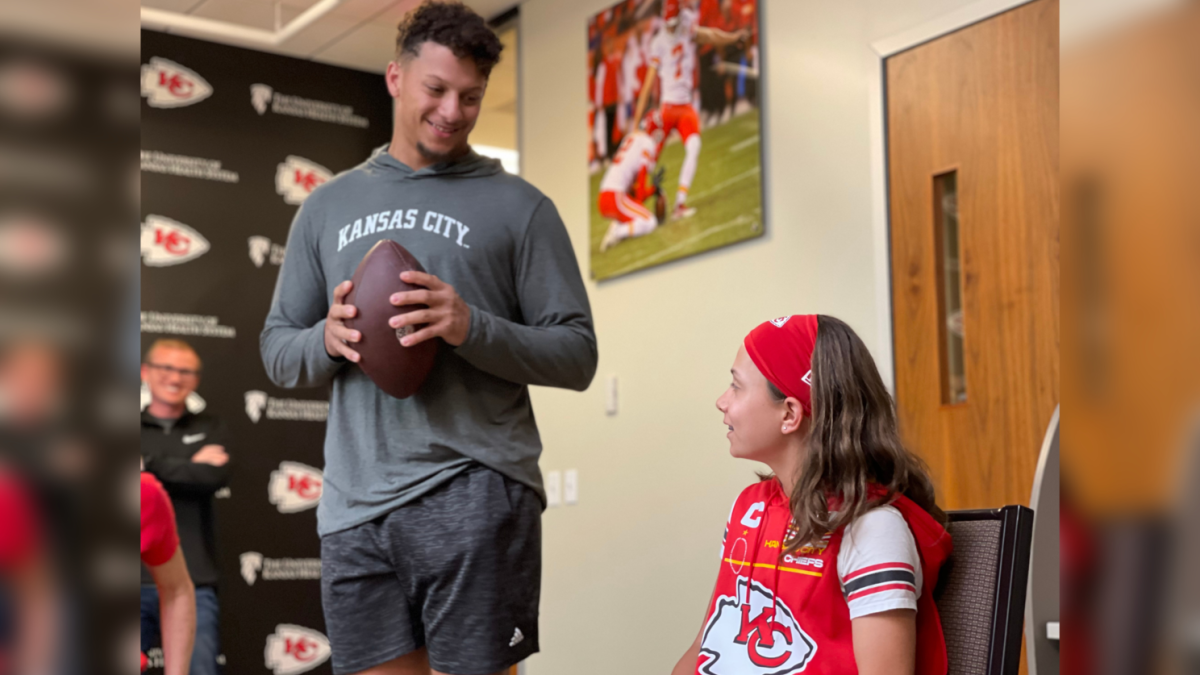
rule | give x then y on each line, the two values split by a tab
571	486
554	488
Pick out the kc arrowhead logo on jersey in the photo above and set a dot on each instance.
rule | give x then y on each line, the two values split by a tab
170	242
295	649
166	84
754	632
295	487
297	177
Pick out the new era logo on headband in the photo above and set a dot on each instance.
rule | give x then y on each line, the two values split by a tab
780	321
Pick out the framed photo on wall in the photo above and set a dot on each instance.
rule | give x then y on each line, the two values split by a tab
675	138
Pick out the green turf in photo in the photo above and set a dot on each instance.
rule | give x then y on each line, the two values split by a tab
726	193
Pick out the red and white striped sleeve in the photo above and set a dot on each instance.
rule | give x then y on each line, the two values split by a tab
878	564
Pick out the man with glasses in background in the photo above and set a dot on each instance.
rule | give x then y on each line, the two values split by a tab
187	452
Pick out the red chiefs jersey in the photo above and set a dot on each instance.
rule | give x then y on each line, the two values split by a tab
19	530
779	615
159	536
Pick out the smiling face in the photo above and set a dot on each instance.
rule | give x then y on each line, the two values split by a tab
171	374
756	421
438	97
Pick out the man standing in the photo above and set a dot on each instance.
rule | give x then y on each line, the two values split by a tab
187	453
430	519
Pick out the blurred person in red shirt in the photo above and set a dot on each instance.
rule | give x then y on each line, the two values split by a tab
28	617
35	473
164	559
187	452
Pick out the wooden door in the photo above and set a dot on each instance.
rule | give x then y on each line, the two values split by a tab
974	209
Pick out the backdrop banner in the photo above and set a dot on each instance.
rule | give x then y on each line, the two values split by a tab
233	141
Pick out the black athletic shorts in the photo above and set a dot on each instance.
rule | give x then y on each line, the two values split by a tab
457	571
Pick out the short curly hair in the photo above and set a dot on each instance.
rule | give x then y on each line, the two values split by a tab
451	24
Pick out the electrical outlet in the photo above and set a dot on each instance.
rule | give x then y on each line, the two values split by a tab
571	486
554	488
610	398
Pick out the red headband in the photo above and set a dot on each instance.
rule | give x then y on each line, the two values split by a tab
782	349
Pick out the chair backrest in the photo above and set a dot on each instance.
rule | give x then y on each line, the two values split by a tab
981	593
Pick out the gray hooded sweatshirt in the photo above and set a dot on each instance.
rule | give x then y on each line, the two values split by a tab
501	244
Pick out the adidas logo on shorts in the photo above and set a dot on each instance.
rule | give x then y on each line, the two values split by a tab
517	637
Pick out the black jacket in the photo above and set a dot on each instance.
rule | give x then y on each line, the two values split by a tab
191	485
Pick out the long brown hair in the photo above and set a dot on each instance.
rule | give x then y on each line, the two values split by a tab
853	441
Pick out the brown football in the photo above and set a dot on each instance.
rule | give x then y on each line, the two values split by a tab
394	368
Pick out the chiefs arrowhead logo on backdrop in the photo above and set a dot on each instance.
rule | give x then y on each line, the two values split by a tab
252	563
754	633
260	97
297	177
194	402
295	487
295	649
169	242
256	403
166	84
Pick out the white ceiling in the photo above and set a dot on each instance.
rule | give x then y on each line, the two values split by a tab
357	34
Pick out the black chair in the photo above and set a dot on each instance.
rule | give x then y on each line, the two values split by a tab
981	592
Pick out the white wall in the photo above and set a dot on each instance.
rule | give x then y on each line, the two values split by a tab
497	125
627	572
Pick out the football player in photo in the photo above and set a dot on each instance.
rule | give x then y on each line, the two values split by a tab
673	66
630	181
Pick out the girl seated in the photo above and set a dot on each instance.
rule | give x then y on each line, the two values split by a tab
828	564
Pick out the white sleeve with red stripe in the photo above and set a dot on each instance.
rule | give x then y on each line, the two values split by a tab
878	564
